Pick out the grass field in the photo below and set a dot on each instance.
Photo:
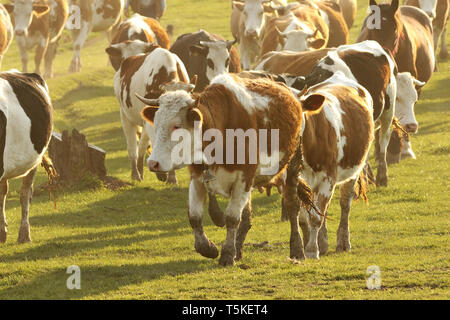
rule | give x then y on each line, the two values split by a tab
137	242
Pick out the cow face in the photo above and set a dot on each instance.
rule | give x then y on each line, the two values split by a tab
253	12
216	54
173	114
387	35
23	12
299	40
406	100
129	48
429	7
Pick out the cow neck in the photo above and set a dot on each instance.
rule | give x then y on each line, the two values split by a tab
208	117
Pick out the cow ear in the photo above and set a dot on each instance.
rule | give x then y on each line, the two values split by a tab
394	5
313	102
373	3
194	114
198	50
9	7
41	9
113	50
316	43
148	113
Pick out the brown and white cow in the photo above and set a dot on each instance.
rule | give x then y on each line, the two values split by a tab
137	27
206	55
248	20
144	74
408	34
438	10
38	24
230	106
299	29
336	144
92	16
6	32
26	122
149	8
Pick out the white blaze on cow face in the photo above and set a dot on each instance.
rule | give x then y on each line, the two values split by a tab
300	40
253	11
23	15
406	100
429	7
171	124
217	58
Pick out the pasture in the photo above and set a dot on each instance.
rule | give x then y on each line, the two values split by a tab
136	242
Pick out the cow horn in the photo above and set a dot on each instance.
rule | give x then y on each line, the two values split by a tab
148	102
230	43
418	83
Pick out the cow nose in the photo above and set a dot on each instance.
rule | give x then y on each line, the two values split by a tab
411	127
20	33
251	33
154	166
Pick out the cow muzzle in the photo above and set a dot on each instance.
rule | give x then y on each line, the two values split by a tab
251	34
20	33
154	166
411	127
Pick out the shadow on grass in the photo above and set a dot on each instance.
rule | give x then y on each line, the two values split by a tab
101	279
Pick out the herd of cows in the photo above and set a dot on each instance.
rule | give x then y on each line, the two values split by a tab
292	70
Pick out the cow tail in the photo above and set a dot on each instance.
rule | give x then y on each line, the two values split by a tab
53	178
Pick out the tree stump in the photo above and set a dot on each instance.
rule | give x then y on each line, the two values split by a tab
73	157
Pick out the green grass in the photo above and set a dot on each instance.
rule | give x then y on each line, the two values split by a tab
137	242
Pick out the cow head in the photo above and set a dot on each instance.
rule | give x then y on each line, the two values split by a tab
216	55
23	12
429	7
122	50
406	100
299	40
388	33
254	12
173	113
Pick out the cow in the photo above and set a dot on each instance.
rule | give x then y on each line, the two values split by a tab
408	34
349	9
438	10
298	30
6	32
144	74
257	107
26	123
149	8
206	55
38	24
295	63
335	144
248	20
93	16
138	27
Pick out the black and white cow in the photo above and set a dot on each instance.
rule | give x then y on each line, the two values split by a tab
26	121
206	55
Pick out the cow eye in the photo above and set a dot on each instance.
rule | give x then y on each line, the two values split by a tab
210	63
175	127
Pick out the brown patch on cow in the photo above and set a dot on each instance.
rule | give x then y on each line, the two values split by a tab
129	67
161	35
338	34
153	90
298	63
235	62
372	72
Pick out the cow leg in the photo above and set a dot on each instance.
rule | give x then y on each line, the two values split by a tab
443	53
244	226
23	55
48	59
3	224
407	151
26	193
38	57
130	130
79	38
172	177
216	214
245	56
142	150
315	221
347	194
322	238
239	199
384	137
197	198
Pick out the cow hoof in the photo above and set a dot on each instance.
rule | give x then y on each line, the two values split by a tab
226	260
172	180
162	176
136	177
238	255
312	254
24	235
207	249
382	181
3	235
